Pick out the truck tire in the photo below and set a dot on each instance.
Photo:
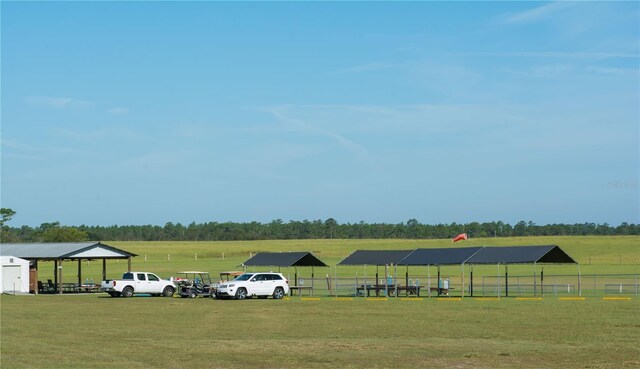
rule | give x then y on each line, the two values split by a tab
127	291
168	291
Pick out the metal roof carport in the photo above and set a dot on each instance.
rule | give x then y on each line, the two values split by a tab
288	259
460	256
378	258
58	252
536	254
438	257
505	255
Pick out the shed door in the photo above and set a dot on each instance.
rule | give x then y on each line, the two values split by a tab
11	278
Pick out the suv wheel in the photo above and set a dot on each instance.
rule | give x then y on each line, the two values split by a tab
241	294
278	293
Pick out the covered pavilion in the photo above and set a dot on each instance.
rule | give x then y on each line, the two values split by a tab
499	255
60	252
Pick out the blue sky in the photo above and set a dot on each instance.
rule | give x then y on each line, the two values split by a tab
155	112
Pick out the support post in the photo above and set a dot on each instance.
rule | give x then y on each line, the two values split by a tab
406	282
462	286
79	273
542	281
395	279
55	273
428	281
579	282
506	280
60	277
104	269
471	283
498	279
35	277
129	264
386	278
377	283
534	280
439	280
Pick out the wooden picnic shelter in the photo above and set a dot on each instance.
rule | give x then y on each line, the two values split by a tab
64	252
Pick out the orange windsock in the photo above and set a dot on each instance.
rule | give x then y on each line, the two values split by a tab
461	236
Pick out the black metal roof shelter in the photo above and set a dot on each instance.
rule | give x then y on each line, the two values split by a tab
551	254
544	254
440	256
375	257
285	259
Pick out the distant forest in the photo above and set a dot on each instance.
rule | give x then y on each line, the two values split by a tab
316	229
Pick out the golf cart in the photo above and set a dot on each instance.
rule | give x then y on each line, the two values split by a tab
194	284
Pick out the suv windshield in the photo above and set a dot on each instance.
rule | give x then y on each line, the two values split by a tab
244	277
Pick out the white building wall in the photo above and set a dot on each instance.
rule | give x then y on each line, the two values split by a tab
14	275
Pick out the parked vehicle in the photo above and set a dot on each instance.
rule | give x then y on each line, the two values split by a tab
138	282
261	285
193	284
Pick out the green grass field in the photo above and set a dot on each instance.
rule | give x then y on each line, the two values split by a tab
96	331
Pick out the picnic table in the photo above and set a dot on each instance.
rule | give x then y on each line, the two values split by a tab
440	290
390	288
300	289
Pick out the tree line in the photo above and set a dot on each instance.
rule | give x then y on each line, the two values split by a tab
315	229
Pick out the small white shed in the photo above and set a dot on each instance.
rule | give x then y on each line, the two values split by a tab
15	275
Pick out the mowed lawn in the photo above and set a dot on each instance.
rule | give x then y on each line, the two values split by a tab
96	331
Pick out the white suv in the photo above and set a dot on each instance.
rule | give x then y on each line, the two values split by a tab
262	285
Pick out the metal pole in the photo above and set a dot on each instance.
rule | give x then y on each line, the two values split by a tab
471	283
438	280
55	273
534	279
60	277
377	283
395	278
506	280
364	289
386	285
428	280
542	281
498	280
79	273
335	288
406	282
579	282
462	286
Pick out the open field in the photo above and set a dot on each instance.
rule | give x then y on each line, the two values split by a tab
599	255
96	331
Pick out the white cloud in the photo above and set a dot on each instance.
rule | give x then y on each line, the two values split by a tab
55	102
303	126
559	54
369	67
117	110
536	14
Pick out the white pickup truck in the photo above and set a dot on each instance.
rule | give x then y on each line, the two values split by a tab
138	282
